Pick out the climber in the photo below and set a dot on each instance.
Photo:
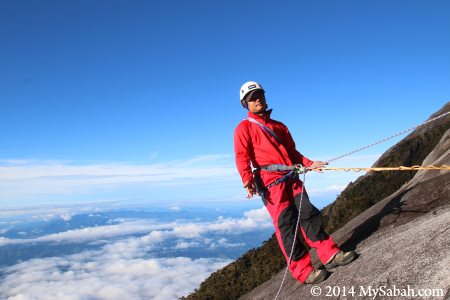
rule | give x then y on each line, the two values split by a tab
260	142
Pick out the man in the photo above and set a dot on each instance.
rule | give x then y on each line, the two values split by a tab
266	145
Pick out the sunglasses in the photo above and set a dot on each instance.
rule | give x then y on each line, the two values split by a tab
256	95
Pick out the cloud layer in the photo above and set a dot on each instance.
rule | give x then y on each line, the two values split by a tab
154	231
102	275
123	268
55	181
22	178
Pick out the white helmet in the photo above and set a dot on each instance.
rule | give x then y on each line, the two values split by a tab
248	87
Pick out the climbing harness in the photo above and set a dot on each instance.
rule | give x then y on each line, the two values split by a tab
294	171
375	169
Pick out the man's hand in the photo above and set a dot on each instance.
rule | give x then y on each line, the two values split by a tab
251	189
317	166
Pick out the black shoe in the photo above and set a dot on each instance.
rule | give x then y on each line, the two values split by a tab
340	259
316	276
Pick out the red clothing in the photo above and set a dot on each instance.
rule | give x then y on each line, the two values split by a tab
253	145
257	147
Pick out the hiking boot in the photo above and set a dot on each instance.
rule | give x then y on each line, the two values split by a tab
316	276
340	259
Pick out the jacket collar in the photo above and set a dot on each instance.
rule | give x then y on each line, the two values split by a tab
264	117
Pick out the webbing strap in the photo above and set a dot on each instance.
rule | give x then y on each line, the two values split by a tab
286	177
293	172
289	175
265	128
277	168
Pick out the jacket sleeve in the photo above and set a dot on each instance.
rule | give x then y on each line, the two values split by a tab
296	157
242	148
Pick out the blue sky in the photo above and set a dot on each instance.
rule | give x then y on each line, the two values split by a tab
102	99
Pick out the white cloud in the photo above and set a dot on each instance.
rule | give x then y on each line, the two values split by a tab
22	178
120	269
186	245
98	275
223	242
35	180
94	233
254	219
155	232
260	215
5	241
66	217
48	212
191	230
175	208
114	173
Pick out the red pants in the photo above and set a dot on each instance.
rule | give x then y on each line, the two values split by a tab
282	201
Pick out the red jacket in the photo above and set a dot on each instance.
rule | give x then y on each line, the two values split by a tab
253	145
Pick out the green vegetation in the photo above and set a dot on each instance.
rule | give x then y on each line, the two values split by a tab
243	275
259	265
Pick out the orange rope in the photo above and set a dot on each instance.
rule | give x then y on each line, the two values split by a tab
401	168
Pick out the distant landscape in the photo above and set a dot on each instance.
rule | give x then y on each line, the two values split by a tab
158	252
